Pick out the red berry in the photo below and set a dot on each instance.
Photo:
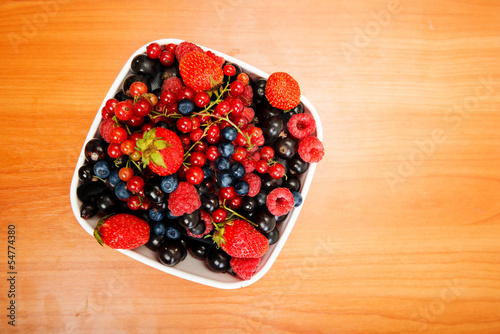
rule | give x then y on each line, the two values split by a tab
201	99
118	135
145	205
201	146
196	122
236	202
311	149
301	125
222	109
213	134
267	152
229	70
237	106
194	175
276	171
153	50
123	111
197	158
105	113
128	146
240	121
241	139
237	88
227	193
280	201
125	173
186	141
243	77
254	182
168	98
261	166
219	215
147	127
212	153
114	151
135	121
186	93
184	124
134	202
167	58
142	107
135	183
239	153
138	88
111	104
196	134
171	47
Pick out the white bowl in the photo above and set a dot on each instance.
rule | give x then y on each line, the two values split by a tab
191	268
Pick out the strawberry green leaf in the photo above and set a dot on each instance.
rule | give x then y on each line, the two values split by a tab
161	144
157	159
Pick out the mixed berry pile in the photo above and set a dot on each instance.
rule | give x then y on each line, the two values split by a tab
194	156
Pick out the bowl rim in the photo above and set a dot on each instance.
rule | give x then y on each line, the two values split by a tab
290	221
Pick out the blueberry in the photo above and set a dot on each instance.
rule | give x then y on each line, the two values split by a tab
169	183
226	149
222	164
172	231
297	198
229	133
159	229
224	179
170	215
185	106
114	177
121	191
241	187
207	171
156	215
101	169
238	170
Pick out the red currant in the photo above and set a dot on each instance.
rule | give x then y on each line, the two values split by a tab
125	173
105	113
135	183
277	171
123	111
241	139
197	158
118	135
167	58
222	108
196	134
201	146
186	93
213	134
236	202
111	104
237	88
229	70
145	205
171	47
201	99
212	153
240	121
167	98
243	77
153	50
227	193
186	141
237	107
134	202
196	122
261	166
142	107
147	127
138	88
184	124
114	151
267	152
128	146
195	175
135	121
239	153
219	215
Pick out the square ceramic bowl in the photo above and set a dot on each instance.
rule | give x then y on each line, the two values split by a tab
191	268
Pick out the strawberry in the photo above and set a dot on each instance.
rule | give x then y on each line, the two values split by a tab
240	239
244	268
282	91
184	48
122	231
200	72
161	150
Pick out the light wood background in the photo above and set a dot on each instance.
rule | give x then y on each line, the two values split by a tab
400	231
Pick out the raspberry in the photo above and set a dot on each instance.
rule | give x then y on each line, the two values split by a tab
254	182
247	96
184	199
248	164
219	60
301	125
311	149
208	225
249	114
173	85
280	201
184	48
244	268
105	129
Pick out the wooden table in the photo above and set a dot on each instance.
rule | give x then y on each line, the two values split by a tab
400	231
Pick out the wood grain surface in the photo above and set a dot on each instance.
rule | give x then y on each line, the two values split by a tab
400	231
